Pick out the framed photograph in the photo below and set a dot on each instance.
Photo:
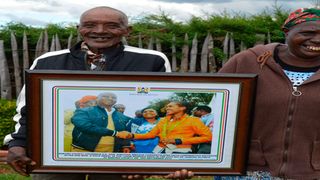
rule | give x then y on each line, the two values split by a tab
70	132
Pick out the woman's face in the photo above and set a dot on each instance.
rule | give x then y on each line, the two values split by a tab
304	40
149	113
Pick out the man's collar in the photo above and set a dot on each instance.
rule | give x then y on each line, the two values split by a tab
108	52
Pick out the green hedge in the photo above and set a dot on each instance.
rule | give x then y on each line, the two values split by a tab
7	111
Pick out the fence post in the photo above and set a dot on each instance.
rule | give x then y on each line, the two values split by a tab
57	42
151	42
226	48
15	58
53	44
204	55
269	37
140	40
5	86
158	45
231	46
70	41
193	54
174	54
211	59
185	55
78	37
25	53
45	48
39	46
124	41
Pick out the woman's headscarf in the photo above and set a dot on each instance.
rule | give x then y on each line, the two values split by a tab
301	15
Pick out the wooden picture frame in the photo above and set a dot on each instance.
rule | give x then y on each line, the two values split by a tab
51	97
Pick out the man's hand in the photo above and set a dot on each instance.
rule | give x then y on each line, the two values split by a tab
18	160
126	150
182	174
124	135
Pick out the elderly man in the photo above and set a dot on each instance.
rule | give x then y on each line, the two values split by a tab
96	128
102	29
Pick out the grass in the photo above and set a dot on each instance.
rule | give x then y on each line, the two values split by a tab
13	177
6	173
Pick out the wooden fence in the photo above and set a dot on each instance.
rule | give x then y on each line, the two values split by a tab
191	57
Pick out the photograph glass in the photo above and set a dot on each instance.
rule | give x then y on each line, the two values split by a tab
63	100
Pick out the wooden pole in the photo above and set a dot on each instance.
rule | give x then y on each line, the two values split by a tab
140	41
193	54
25	53
5	86
226	48
78	37
15	58
211	59
269	37
158	45
174	54
151	42
185	55
70	41
53	44
39	45
231	46
57	42
45	48
124	41
204	55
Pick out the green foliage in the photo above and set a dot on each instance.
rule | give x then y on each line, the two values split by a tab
13	176
163	28
219	55
67	116
7	111
33	34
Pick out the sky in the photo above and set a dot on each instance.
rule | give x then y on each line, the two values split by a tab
43	12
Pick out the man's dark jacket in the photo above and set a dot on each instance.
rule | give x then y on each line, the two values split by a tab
90	126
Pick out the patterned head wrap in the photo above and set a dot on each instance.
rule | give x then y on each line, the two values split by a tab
301	15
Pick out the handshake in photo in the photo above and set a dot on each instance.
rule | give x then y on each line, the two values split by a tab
124	135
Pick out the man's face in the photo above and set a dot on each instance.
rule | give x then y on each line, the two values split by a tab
173	108
149	113
102	28
108	100
121	109
197	113
304	40
90	103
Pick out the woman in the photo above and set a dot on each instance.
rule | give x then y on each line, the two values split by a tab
142	126
285	138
